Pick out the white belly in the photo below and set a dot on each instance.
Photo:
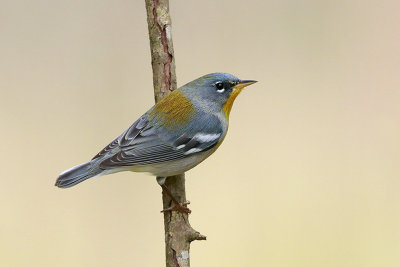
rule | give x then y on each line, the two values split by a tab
174	167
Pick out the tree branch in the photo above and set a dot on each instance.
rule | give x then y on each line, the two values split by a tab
178	232
162	51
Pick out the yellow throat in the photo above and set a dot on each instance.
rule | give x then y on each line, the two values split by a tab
229	103
236	91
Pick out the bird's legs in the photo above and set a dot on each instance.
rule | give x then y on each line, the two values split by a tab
176	206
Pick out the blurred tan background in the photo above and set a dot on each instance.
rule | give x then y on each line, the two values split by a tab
309	174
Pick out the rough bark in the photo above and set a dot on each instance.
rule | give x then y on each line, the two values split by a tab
162	51
178	232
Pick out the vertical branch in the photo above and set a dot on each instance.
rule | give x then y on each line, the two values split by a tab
178	232
162	51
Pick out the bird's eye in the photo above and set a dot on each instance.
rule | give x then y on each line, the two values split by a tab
220	87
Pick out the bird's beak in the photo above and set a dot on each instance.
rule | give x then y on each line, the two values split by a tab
243	83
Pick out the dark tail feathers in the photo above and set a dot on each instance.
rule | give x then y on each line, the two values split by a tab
76	174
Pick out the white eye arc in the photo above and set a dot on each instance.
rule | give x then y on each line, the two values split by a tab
220	87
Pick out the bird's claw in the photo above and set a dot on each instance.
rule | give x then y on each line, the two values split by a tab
179	207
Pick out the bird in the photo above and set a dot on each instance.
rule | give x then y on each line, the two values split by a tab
179	132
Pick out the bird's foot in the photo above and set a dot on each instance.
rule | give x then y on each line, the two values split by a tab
179	207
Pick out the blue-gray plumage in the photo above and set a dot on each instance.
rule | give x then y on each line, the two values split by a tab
175	135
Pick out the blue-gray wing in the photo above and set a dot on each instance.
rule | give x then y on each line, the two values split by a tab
148	142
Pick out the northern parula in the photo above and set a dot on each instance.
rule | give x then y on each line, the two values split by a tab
175	135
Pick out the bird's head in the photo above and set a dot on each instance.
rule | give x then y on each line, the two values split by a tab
216	91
